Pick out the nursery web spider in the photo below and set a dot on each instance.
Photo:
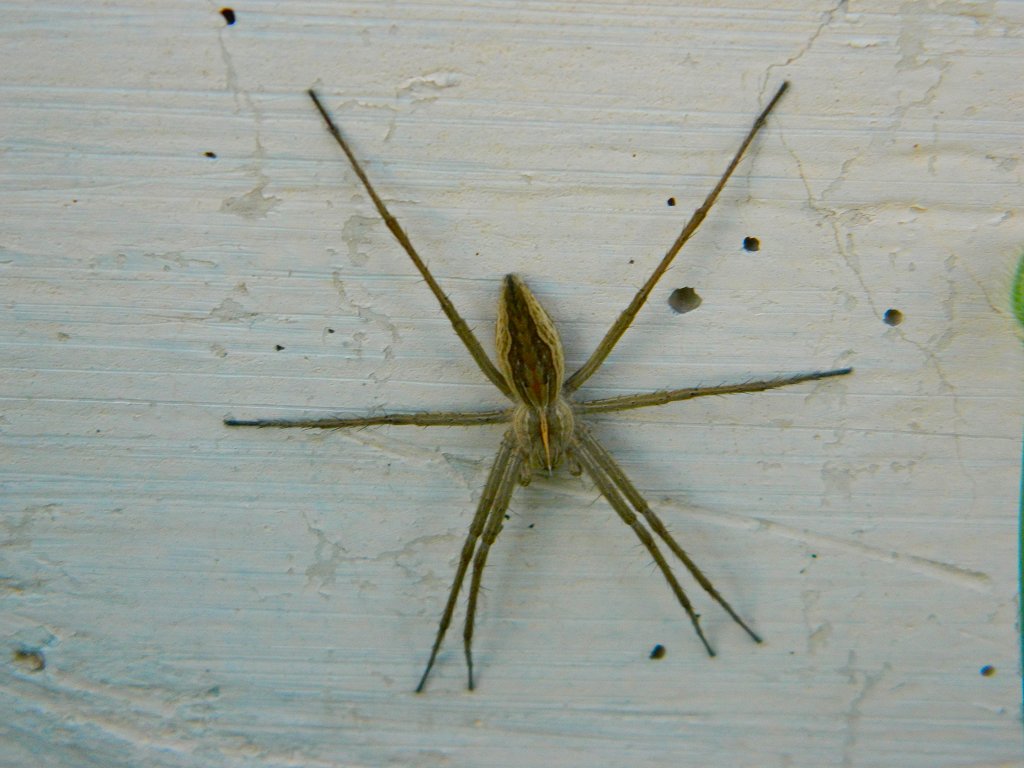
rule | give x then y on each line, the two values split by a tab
545	420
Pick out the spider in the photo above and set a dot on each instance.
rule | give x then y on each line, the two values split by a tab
545	421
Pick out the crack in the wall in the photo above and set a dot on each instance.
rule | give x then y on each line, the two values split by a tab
965	578
253	204
832	216
327	556
827	16
819	629
366	313
866	682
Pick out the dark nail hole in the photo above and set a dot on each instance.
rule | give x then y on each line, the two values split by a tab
530	525
684	300
278	347
658	651
33	661
892	317
210	154
330	330
632	261
229	15
987	671
671	202
751	244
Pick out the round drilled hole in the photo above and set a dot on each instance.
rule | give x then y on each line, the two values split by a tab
684	300
892	317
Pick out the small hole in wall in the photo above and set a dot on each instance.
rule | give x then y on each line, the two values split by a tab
658	651
892	317
751	244
29	660
683	300
278	347
987	671
211	155
671	201
229	15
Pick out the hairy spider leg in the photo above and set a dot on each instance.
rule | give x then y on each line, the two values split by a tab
619	327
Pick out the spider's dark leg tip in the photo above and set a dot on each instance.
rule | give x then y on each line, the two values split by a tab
704	640
423	680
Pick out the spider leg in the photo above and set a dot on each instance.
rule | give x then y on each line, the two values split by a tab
491	531
424	419
461	328
619	327
610	467
608	489
645	399
494	484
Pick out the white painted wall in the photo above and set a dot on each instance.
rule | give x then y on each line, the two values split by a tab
206	597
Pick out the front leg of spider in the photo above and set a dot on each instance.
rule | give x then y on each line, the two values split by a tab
544	430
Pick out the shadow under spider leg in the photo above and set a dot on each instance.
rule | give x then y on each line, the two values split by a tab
544	420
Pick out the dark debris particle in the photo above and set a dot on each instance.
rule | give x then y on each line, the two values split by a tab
278	347
658	651
671	202
987	671
211	155
751	244
229	15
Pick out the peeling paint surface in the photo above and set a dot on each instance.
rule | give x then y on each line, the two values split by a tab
182	242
